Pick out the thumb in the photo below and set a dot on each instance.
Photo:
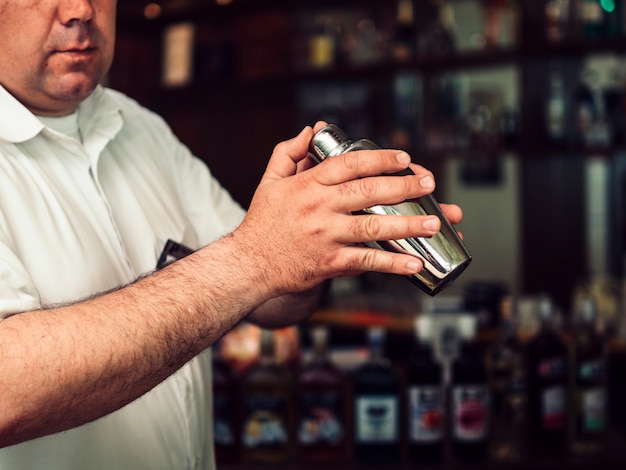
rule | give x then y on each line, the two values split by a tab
287	154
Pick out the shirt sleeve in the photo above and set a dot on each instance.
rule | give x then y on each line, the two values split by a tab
17	290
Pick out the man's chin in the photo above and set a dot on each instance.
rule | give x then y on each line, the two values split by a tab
74	89
68	94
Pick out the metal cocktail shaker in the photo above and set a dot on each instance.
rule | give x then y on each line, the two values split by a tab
444	255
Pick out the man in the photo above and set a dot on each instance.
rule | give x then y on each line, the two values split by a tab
103	357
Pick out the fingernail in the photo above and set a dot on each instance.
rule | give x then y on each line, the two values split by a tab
431	223
403	158
413	266
427	182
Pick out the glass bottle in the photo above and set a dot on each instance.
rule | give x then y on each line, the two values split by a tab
322	397
425	407
469	401
547	380
225	402
556	105
589	383
404	38
266	400
376	388
508	387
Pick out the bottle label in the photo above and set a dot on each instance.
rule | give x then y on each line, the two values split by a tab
553	407
320	421
591	370
470	412
223	432
265	421
551	368
425	414
593	410
376	419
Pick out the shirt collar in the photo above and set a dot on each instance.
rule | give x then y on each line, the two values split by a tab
99	113
17	123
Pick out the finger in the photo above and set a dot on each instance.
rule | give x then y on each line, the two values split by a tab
374	227
287	155
452	212
305	164
360	259
319	125
359	194
358	164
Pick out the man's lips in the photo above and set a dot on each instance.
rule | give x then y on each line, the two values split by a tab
76	54
76	50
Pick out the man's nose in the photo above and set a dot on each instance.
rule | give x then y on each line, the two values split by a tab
75	10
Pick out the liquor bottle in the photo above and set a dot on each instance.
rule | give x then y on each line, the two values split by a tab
404	38
557	20
508	386
589	383
322	396
425	406
469	400
556	105
591	15
376	389
225	402
547	385
614	18
266	393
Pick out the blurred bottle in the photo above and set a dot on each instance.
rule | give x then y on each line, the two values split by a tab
376	389
556	108
436	39
500	23
225	404
591	18
469	400
324	43
266	391
557	20
614	18
508	387
404	38
322	397
547	380
589	382
425	406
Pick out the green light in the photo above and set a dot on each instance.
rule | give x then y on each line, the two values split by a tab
608	5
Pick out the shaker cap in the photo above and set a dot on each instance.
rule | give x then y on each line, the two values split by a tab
328	141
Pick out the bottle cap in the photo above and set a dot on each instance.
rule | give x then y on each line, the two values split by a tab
545	309
376	335
467	326
424	327
319	335
587	310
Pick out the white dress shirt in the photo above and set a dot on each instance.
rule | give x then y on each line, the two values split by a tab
83	215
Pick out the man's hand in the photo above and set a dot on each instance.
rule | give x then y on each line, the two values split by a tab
299	229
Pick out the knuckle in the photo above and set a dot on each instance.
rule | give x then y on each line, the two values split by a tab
279	147
373	227
349	160
369	259
368	187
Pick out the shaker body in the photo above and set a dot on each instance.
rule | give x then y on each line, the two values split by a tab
444	255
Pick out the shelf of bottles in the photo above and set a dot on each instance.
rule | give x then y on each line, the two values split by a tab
537	395
404	72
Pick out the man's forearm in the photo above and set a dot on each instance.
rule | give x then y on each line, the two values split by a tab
82	361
